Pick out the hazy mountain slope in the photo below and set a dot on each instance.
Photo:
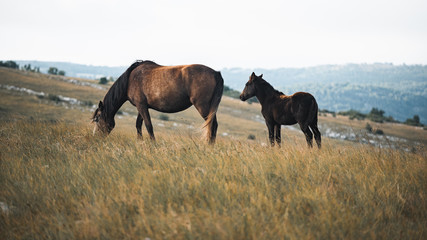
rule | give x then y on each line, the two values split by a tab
77	70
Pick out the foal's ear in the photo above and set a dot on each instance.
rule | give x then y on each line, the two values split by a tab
260	76
101	106
253	74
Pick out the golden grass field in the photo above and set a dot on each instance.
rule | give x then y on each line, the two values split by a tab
59	182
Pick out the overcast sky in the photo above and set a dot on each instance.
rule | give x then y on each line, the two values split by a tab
220	33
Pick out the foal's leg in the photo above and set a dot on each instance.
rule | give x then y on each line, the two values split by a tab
278	134
139	126
307	133
317	135
270	126
143	111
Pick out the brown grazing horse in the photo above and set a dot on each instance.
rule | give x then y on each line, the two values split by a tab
279	109
167	89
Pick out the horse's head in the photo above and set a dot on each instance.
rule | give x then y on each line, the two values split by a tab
102	126
250	89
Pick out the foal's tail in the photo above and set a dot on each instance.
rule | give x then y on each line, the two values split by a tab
314	109
214	103
313	112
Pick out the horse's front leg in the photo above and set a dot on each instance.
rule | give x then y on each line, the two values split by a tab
270	126
278	134
143	111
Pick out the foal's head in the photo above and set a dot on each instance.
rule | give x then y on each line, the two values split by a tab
102	126
250	89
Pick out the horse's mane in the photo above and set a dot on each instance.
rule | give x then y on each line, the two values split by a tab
149	62
117	94
265	85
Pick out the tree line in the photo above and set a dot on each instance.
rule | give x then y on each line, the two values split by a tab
9	64
29	68
376	115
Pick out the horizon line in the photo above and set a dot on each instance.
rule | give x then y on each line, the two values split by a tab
234	67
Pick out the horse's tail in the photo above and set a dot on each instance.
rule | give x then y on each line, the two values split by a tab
214	103
314	109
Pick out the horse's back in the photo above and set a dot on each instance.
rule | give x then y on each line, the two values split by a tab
198	72
177	73
160	87
302	97
171	88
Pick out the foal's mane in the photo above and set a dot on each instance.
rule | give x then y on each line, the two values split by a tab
265	85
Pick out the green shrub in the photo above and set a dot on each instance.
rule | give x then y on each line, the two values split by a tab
164	117
251	137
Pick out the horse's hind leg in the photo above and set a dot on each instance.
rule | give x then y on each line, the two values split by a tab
317	135
213	128
139	126
308	135
212	125
143	111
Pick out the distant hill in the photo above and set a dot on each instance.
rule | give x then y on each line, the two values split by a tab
77	70
401	91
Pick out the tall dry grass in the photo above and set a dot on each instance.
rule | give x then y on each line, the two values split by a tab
59	182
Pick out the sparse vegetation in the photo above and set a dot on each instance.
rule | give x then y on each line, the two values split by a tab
54	98
325	112
9	64
55	71
370	129
103	80
164	117
353	114
90	104
27	67
415	121
378	131
375	115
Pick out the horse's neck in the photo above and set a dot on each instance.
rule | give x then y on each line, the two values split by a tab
265	93
114	99
111	108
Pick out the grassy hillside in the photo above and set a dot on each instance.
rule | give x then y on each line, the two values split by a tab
58	181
